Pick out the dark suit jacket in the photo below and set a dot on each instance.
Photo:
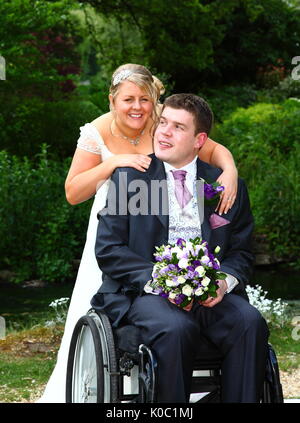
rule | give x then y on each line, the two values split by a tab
125	242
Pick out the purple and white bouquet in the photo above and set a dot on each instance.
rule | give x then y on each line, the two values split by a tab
185	271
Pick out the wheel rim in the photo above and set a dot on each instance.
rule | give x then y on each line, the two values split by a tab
85	369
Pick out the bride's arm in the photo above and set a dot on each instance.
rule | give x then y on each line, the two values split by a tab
219	156
87	172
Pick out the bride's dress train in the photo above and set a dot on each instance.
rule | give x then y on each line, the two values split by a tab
88	278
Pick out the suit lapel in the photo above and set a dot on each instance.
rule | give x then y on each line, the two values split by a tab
156	172
208	209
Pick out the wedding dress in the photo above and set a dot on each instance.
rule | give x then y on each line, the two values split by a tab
89	275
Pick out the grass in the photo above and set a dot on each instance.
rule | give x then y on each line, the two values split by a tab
27	359
28	353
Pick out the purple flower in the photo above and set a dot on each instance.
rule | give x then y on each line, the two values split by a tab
172	267
212	190
179	299
191	268
158	258
180	242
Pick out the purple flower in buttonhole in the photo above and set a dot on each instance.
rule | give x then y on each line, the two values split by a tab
212	191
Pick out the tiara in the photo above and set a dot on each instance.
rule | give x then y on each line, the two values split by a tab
124	74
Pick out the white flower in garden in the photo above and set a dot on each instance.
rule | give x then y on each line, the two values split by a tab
180	280
187	290
205	281
273	311
199	291
183	263
200	270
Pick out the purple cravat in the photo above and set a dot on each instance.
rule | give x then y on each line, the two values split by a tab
182	194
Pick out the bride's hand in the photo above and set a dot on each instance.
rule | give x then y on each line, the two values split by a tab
229	180
138	161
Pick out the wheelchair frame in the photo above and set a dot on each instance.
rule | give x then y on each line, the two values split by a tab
98	371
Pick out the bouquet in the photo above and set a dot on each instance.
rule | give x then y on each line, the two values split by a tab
185	271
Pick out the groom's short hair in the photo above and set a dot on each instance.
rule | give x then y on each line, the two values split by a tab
197	106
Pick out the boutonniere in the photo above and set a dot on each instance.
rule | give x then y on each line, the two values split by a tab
212	192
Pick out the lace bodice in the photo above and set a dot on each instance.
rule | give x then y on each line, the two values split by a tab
90	140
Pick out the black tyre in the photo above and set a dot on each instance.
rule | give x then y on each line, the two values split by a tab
92	368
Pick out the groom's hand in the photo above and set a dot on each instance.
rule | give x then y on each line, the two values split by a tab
186	308
221	291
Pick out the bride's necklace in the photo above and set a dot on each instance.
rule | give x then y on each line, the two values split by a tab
134	141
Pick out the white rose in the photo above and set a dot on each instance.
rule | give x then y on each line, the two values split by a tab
200	270
180	280
182	253
175	250
205	281
187	290
190	247
199	291
183	263
170	282
205	260
172	295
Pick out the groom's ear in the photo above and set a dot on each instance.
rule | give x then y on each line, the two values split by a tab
201	137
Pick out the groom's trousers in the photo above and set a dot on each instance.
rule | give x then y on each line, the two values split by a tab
235	327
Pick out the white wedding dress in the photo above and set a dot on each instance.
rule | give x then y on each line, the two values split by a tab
89	275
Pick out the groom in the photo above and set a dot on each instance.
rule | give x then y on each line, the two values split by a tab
126	243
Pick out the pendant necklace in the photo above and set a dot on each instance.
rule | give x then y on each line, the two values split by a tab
133	141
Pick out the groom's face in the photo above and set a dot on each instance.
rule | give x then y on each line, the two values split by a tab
175	141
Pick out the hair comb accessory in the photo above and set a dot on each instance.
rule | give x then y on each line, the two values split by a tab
124	74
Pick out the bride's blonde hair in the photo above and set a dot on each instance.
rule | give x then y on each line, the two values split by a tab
143	78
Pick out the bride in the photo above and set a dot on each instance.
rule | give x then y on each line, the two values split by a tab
119	138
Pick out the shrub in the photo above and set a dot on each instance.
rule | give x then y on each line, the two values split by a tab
27	125
274	311
40	233
264	140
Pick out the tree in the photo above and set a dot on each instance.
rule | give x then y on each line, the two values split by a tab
38	41
210	40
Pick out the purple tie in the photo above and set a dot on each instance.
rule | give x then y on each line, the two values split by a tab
182	194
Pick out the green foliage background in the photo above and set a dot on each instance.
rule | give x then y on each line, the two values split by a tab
60	56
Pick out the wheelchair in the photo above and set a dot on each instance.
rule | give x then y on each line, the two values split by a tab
114	366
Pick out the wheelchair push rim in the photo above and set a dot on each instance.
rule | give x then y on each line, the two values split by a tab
90	365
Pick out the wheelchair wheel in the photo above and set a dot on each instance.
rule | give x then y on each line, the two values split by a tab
92	367
272	390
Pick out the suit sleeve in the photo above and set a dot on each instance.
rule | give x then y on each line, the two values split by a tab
238	260
113	254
